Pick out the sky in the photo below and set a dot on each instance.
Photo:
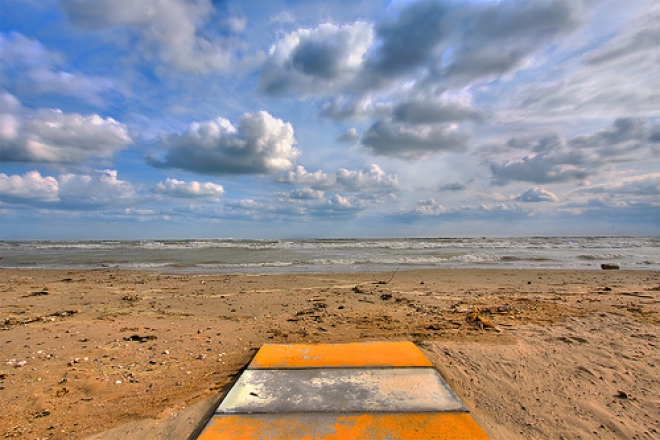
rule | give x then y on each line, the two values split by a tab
170	119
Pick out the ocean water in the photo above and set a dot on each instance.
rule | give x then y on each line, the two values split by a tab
331	255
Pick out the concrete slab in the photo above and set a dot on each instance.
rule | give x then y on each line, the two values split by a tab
359	354
341	390
326	426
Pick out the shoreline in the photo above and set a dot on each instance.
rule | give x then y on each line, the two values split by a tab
373	273
111	353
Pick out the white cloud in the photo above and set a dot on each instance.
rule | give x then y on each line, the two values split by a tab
236	24
300	176
387	138
51	136
534	195
316	61
555	159
408	70
260	144
429	207
193	189
94	190
303	194
340	202
350	136
283	17
67	191
172	29
30	187
552	167
335	205
371	178
427	39
34	68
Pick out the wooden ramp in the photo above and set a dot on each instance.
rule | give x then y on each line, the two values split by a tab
370	390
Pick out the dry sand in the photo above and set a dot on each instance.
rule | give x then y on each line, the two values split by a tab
534	354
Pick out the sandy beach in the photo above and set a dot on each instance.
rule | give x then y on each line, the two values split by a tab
534	354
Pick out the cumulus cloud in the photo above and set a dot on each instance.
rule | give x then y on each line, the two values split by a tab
192	189
172	29
259	144
30	187
300	176
318	60
388	138
52	136
561	160
350	136
402	71
371	178
67	191
429	40
534	195
302	194
340	203
296	205
96	190
36	69
429	207
552	167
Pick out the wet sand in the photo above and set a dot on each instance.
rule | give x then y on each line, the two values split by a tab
534	354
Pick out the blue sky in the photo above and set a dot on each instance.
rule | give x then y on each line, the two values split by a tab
125	119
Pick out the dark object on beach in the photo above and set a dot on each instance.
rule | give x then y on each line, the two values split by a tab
39	293
609	266
621	395
138	338
479	320
386	296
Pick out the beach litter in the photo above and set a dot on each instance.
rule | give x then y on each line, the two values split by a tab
481	321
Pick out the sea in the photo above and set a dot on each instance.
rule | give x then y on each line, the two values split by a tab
334	255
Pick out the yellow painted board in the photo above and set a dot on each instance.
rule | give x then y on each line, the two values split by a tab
351	355
314	426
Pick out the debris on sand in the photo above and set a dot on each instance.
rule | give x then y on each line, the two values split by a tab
138	338
481	321
609	266
43	292
43	318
